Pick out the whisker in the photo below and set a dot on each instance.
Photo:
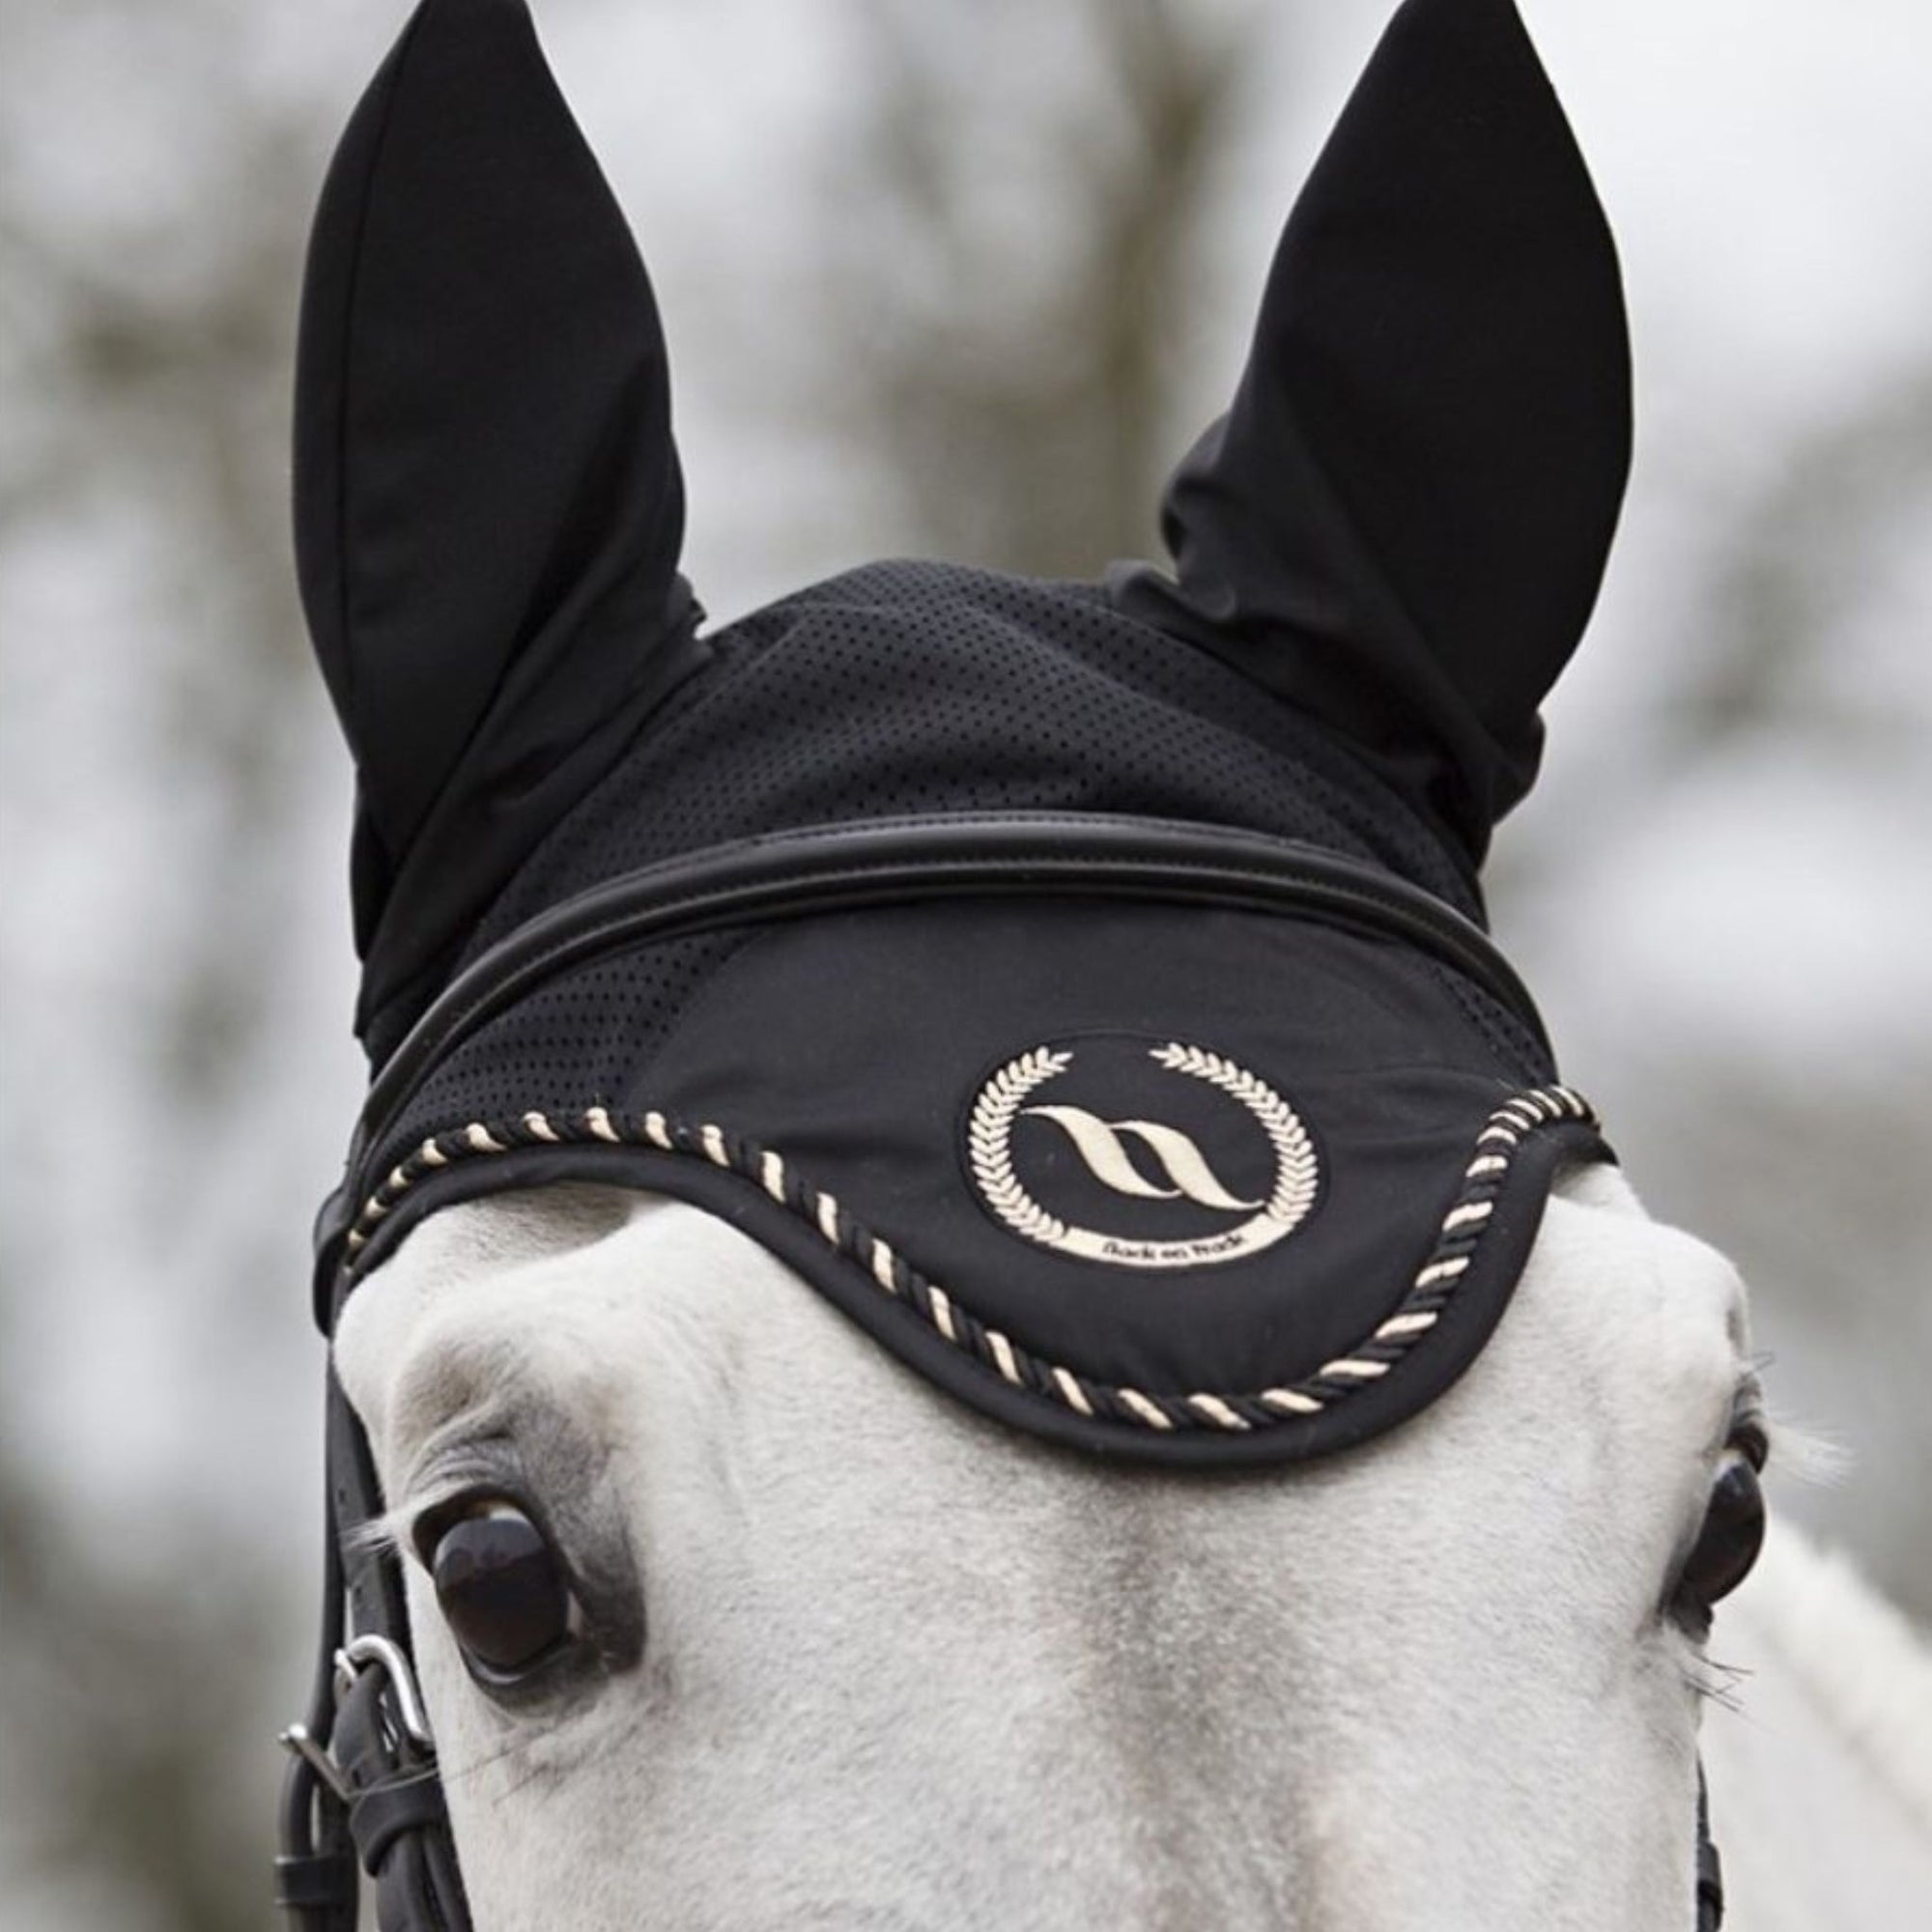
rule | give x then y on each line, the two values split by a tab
1720	1683
456	1773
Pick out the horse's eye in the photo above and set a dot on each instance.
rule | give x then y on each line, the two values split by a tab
501	1585
1729	1541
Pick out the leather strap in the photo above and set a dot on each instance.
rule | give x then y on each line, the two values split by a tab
397	1816
317	1888
314	1872
1710	1867
365	1786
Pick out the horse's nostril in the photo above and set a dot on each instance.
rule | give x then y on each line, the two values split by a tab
501	1586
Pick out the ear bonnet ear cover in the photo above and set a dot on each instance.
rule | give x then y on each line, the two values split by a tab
488	501
1194	1172
1401	525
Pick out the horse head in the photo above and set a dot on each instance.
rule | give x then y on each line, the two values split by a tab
968	1290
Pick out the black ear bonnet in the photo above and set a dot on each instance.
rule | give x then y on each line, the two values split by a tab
1082	985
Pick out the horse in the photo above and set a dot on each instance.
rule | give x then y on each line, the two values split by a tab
1420	1685
967	1288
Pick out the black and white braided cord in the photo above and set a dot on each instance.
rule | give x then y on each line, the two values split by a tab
1433	1287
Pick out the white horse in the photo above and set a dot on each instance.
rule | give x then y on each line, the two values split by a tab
902	1667
724	1617
1821	1766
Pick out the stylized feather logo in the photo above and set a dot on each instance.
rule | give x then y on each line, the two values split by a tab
1099	1145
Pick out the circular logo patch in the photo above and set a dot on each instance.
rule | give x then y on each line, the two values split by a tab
1140	1153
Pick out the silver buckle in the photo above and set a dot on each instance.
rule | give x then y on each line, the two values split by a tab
298	1740
403	1704
400	1709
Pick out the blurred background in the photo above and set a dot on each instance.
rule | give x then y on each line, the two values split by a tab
958	280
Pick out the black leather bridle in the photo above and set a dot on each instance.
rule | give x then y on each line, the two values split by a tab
363	1792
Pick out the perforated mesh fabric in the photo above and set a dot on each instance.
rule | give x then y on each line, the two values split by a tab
908	688
573	1037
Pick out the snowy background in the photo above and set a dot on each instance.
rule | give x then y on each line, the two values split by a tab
927	269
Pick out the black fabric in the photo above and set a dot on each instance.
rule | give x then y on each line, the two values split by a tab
856	1045
917	687
1393	539
911	686
488	502
1047	857
1384	554
1401	525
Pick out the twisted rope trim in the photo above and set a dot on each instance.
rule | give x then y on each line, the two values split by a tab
1433	1287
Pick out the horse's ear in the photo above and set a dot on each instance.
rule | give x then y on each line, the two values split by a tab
488	501
1401	523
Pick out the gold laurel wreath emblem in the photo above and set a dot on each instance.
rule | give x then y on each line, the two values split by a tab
989	1148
